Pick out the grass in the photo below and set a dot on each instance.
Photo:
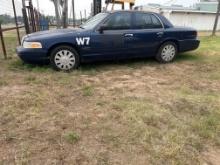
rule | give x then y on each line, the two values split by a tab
87	91
127	112
72	137
11	41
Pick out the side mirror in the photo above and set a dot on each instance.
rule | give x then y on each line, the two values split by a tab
102	28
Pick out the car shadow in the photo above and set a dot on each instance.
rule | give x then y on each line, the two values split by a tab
188	57
100	65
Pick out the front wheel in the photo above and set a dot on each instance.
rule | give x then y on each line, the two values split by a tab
167	52
64	58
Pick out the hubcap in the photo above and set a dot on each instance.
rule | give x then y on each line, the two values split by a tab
65	59
168	53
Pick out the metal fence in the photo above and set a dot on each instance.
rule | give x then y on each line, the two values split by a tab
19	17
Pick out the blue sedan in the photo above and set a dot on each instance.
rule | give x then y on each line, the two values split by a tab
108	36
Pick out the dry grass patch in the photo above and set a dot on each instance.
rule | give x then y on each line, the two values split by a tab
129	112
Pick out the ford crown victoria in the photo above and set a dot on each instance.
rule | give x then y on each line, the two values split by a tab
108	36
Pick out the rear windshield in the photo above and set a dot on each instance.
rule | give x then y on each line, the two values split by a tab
165	21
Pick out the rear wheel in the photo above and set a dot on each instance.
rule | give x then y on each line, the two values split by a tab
167	52
64	58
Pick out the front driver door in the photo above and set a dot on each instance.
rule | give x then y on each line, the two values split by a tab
110	43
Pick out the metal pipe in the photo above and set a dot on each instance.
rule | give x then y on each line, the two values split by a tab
216	19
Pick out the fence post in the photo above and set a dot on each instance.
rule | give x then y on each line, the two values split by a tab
24	12
16	22
37	20
31	10
2	41
25	18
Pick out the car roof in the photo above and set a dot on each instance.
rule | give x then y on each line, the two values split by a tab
132	11
164	20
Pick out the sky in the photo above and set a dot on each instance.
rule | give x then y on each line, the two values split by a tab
80	5
6	7
47	7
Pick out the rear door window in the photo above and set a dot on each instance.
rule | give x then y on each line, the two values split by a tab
156	22
146	21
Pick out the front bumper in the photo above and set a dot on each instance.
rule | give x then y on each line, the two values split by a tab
32	55
188	45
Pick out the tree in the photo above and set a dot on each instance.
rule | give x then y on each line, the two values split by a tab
216	19
73	9
65	14
61	12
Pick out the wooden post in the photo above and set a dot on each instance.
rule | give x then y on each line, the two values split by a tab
3	43
216	19
31	9
24	13
16	22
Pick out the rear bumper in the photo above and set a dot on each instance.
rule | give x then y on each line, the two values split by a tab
188	45
32	55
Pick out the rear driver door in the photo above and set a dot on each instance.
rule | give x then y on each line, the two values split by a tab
146	36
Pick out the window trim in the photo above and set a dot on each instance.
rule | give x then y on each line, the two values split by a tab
159	20
132	21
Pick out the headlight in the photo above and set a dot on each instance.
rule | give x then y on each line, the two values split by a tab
22	40
34	45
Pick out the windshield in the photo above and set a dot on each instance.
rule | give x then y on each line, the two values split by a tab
92	22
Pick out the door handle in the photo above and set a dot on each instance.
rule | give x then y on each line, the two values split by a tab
160	33
129	35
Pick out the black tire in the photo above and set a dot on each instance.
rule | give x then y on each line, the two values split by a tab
160	57
60	51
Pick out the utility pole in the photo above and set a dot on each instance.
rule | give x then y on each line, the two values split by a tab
216	19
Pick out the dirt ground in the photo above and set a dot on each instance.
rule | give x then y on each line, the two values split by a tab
129	112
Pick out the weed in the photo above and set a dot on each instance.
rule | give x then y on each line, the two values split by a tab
88	91
72	137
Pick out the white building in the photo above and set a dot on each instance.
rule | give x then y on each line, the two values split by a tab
181	16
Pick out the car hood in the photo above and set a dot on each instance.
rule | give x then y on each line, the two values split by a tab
52	33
